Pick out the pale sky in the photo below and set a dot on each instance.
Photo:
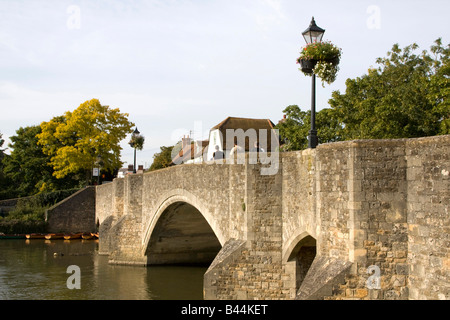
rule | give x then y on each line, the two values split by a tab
181	65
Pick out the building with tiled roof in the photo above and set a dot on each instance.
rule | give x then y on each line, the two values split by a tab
244	131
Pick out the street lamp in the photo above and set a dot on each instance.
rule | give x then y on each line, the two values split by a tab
313	34
133	144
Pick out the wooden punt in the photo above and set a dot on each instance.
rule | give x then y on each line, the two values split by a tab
95	235
72	236
35	236
54	236
12	236
87	236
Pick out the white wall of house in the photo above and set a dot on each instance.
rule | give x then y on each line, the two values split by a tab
215	139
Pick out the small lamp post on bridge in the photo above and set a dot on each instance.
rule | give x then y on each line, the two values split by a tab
136	142
311	35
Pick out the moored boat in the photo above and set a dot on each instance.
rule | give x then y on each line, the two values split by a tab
54	236
95	234
87	236
12	236
72	236
35	236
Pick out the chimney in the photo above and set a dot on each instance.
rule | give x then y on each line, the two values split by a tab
185	142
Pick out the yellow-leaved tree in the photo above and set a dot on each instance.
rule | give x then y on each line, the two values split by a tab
85	138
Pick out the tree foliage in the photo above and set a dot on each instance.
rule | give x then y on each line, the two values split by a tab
295	128
5	181
27	165
406	96
29	168
77	140
162	159
2	141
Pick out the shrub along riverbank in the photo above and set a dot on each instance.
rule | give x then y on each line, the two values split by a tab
28	216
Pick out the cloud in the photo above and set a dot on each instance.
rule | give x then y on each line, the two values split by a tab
271	14
31	103
276	6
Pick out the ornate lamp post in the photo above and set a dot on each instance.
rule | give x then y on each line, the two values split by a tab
313	34
134	143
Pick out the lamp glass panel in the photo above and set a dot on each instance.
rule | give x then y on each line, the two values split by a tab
316	36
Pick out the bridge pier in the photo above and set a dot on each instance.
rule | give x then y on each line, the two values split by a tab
252	268
121	232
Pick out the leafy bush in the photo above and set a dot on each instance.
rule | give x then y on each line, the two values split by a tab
29	212
15	226
50	198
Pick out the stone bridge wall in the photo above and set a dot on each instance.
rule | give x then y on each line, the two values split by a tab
380	203
361	205
73	214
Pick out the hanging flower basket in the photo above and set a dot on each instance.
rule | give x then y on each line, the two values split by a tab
307	66
322	59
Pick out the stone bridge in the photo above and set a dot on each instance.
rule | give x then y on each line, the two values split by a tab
365	219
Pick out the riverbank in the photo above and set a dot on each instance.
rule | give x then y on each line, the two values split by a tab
51	236
18	226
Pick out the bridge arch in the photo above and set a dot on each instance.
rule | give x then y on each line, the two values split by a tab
299	254
181	231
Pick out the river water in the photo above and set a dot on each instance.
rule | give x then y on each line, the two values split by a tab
29	269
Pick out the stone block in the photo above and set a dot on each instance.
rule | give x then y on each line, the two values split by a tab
397	214
360	293
398	281
402	269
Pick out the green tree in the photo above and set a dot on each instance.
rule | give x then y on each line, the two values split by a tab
29	168
2	152
2	141
80	138
27	164
439	94
162	159
294	129
405	97
6	187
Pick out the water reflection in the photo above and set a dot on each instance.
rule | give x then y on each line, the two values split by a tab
36	269
121	282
